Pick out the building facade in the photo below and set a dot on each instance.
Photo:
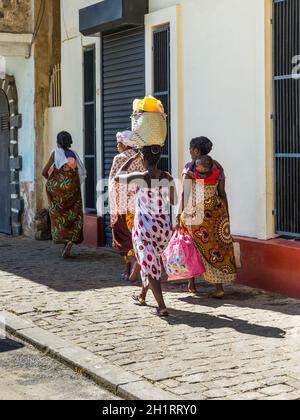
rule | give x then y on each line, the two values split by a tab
209	61
29	50
223	69
16	92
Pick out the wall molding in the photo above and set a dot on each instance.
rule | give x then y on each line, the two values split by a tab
15	45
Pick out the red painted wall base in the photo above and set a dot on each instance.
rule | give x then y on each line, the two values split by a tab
93	231
271	265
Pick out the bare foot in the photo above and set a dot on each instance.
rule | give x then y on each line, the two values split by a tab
192	287
192	290
67	251
218	294
162	313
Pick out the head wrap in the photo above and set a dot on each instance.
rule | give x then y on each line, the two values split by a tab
125	138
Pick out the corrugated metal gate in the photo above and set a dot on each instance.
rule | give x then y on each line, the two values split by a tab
286	44
123	80
5	198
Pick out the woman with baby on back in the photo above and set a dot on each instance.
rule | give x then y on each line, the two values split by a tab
204	214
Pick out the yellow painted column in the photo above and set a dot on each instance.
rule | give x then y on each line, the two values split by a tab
270	169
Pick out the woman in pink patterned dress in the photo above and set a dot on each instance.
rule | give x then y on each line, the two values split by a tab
152	231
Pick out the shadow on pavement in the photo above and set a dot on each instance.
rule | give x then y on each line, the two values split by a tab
96	269
211	322
7	345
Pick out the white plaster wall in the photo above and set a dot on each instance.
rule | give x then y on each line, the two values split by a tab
223	97
69	116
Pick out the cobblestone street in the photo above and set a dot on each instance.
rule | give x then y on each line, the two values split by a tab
245	347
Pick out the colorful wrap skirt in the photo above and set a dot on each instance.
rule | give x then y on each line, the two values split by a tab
208	224
65	207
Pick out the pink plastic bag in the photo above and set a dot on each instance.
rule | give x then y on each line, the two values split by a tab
181	258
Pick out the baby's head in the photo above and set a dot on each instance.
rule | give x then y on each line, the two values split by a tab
204	165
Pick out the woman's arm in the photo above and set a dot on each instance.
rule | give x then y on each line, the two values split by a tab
127	165
128	178
222	194
219	166
173	197
121	176
48	166
187	188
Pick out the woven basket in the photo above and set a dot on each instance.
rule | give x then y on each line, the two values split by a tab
149	129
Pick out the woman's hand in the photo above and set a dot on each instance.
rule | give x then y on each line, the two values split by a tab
190	175
48	166
129	162
178	221
135	157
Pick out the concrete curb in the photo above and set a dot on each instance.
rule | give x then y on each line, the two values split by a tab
124	384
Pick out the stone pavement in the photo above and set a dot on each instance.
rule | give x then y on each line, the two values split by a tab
245	347
26	374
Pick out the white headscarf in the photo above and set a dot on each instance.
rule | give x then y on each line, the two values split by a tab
60	160
125	138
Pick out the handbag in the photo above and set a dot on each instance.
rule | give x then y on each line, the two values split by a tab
181	259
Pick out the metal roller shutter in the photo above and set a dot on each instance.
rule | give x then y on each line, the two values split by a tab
286	22
123	80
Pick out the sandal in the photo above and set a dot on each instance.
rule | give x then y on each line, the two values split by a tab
161	313
188	290
67	251
139	300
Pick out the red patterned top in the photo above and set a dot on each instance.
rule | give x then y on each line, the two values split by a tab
212	179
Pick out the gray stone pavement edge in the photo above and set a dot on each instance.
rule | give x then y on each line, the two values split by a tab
119	381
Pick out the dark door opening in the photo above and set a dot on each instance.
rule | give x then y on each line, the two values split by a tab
123	80
5	197
286	44
90	146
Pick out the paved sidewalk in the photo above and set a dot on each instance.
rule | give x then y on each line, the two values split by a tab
25	374
245	347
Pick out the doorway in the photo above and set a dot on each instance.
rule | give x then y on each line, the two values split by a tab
5	196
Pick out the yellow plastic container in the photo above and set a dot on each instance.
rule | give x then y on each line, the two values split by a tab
148	104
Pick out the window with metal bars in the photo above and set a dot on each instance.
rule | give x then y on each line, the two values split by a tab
286	45
161	73
90	154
